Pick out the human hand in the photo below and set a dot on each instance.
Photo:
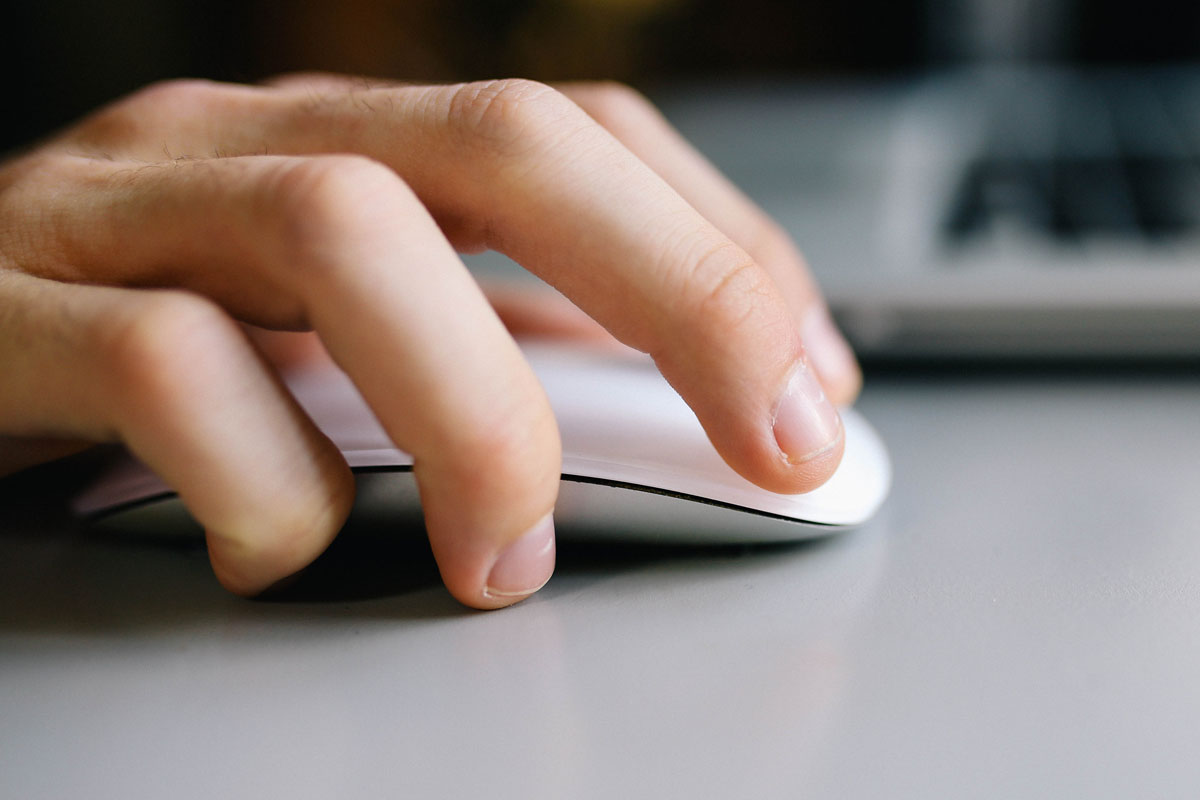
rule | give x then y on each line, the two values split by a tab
133	244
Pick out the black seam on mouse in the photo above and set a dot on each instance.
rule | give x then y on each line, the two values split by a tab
635	487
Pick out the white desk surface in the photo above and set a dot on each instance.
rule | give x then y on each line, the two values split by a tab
1022	620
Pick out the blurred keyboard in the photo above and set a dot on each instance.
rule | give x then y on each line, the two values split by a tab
989	213
1080	157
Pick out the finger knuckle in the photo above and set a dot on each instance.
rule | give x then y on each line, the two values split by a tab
520	445
157	349
730	289
29	225
26	173
505	113
318	203
766	235
278	539
770	242
108	127
611	103
296	78
149	109
175	94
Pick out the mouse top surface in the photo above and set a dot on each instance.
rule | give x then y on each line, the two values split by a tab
636	462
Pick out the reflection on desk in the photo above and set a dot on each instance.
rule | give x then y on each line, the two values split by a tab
1020	620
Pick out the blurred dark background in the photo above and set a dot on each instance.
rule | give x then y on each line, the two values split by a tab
68	56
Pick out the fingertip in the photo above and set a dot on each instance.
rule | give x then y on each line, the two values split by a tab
268	547
798	443
830	355
815	468
521	567
494	577
805	423
488	511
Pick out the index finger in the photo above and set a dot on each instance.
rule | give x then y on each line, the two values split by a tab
647	133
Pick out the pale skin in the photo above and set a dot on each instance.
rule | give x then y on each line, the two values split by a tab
137	245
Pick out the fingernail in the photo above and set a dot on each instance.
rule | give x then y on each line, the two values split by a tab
806	424
828	351
525	565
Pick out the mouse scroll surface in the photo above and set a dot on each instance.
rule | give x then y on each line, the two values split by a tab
636	462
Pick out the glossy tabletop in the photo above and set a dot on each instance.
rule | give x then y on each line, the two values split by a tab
1022	619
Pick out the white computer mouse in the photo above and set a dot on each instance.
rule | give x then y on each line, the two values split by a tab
636	463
